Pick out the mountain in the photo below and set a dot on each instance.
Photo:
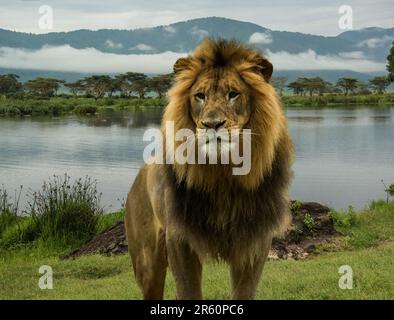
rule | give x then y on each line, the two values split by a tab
370	44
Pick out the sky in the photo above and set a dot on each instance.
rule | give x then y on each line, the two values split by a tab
307	16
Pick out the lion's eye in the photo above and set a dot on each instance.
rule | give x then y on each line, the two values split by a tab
233	95
200	96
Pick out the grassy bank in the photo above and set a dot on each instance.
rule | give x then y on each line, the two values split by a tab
367	246
79	105
57	106
338	100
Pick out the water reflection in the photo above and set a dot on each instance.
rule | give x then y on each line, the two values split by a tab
341	153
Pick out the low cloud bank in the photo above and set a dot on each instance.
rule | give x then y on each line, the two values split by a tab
90	60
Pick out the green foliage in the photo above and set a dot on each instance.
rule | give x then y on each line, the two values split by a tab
9	84
390	190
309	222
62	212
295	206
108	220
65	210
333	100
368	227
379	84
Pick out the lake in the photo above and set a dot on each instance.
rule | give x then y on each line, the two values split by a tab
341	154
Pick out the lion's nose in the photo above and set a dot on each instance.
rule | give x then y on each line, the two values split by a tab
213	123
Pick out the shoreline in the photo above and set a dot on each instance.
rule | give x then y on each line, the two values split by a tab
66	105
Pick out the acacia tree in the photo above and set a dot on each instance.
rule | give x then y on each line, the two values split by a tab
390	64
45	87
97	85
125	81
9	83
379	84
160	84
76	87
297	87
141	87
279	83
347	85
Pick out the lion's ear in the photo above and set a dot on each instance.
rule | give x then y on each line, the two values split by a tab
265	67
181	64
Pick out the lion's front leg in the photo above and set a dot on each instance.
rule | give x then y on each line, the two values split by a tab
245	276
186	268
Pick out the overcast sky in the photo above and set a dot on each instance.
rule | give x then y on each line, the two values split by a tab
308	16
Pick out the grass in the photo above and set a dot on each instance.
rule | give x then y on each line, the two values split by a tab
56	106
65	104
368	227
367	246
333	100
97	277
63	212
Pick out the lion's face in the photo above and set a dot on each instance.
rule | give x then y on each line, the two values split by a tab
225	85
219	98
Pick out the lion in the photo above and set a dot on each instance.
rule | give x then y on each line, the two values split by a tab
179	215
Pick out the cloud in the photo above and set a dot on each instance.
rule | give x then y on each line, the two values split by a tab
90	60
375	42
113	45
142	47
170	29
260	38
352	54
310	60
200	33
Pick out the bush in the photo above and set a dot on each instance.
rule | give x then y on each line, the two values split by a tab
66	211
81	110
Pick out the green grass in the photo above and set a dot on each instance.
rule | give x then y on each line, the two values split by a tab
334	100
368	227
97	277
56	106
368	248
61	105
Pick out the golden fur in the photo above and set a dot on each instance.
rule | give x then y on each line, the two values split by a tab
181	214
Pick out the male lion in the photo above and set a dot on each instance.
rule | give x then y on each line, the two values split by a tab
179	214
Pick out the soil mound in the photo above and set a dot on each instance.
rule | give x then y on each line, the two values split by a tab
311	226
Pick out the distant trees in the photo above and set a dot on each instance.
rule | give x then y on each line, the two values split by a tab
126	81
279	83
9	84
379	84
76	88
390	64
45	87
97	86
347	85
161	84
138	84
126	84
303	86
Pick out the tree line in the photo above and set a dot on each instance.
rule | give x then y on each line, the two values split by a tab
98	86
129	83
318	86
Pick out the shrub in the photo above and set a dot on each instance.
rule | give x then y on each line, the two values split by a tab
309	222
66	211
81	110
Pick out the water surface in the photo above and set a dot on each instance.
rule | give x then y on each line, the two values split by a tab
341	154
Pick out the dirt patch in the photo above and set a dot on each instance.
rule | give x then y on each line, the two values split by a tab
311	227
